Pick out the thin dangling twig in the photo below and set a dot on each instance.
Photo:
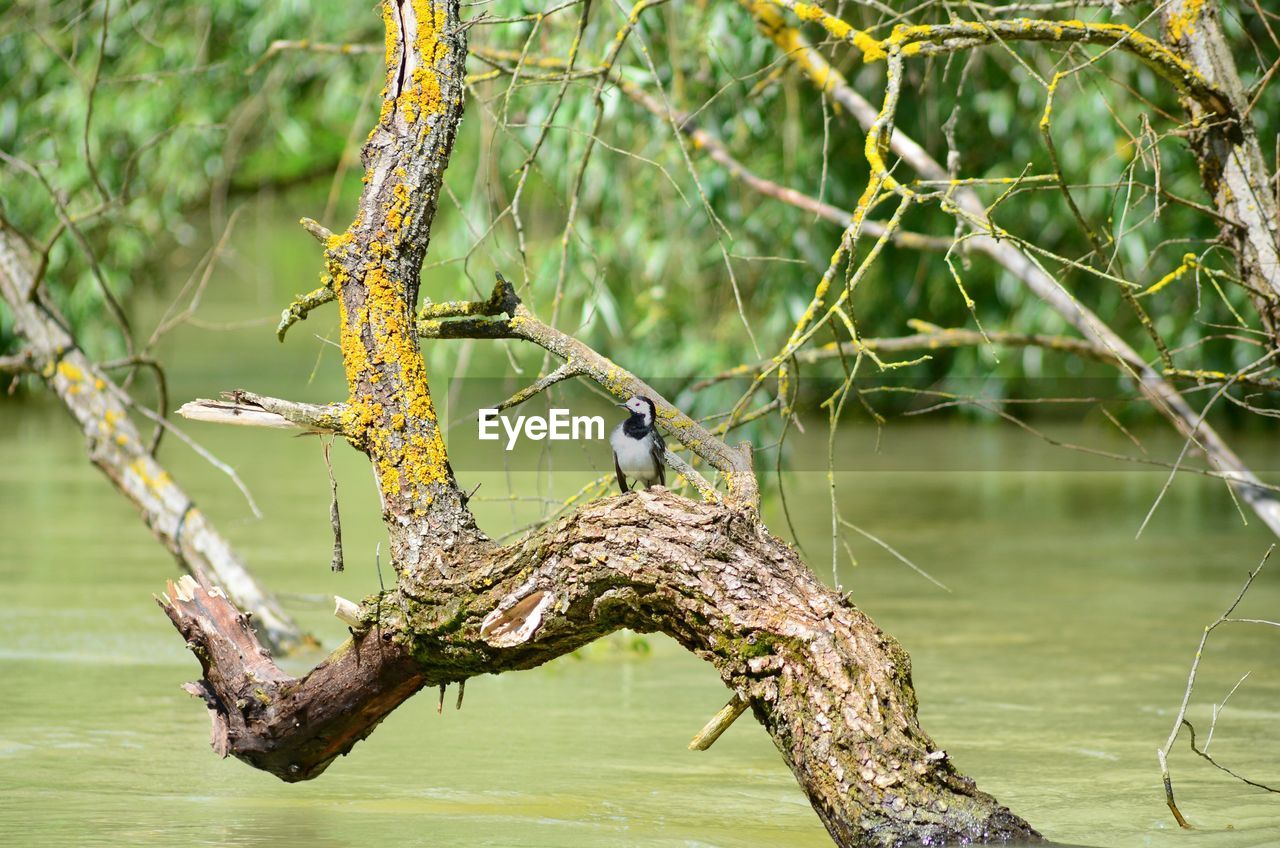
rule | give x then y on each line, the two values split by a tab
334	519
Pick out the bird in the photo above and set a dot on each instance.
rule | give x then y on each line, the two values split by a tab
638	448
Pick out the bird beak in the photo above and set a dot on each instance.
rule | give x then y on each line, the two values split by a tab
623	405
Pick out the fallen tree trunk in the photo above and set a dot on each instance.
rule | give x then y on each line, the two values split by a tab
830	687
119	451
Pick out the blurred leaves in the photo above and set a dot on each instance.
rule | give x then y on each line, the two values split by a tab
175	127
665	243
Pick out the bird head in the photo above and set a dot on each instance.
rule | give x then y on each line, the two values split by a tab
641	406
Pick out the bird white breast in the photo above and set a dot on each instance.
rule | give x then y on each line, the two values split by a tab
635	456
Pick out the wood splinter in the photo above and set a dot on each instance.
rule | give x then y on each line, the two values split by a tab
719	723
348	612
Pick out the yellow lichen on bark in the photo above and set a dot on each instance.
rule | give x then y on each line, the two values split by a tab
398	216
871	48
70	372
141	470
1189	261
377	342
1183	23
421	97
943	39
788	39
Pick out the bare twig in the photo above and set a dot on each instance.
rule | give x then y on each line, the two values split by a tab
1180	720
247	409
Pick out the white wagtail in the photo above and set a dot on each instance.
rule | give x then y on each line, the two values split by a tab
638	448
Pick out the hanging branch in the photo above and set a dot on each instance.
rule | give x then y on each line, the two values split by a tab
118	449
1019	259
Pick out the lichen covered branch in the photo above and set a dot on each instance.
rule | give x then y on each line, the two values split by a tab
374	268
1018	260
734	463
301	307
118	449
941	39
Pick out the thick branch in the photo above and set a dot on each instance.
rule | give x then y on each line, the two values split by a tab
292	728
374	268
117	448
832	689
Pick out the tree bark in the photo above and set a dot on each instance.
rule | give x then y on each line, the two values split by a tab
118	450
830	687
374	268
1232	166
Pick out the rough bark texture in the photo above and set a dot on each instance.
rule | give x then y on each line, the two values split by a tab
118	450
831	688
292	728
1232	167
374	268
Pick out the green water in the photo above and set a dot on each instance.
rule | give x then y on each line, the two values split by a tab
1049	672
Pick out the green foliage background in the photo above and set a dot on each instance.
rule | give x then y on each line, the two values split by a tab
183	133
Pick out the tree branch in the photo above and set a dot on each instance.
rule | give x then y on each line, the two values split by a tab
246	409
943	39
1164	397
1232	167
706	142
374	267
929	337
733	463
19	363
832	689
301	307
119	451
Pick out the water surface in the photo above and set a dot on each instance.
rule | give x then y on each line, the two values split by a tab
1049	672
